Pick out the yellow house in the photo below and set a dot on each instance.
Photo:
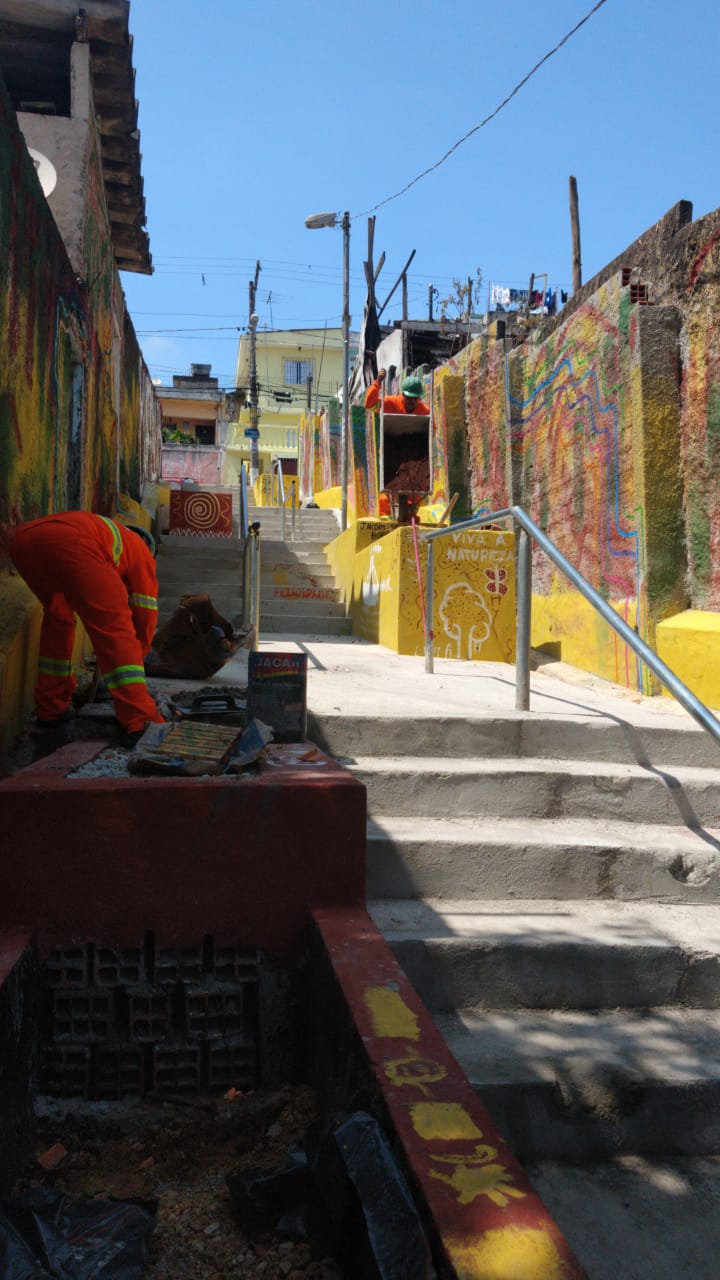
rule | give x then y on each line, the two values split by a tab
285	359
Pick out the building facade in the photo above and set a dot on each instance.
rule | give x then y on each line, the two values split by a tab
294	368
195	417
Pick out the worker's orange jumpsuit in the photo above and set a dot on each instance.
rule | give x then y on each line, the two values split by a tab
393	404
77	562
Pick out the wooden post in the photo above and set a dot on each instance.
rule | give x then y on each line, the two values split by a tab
575	228
404	298
531	294
430	302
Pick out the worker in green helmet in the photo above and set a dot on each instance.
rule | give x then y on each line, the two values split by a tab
410	401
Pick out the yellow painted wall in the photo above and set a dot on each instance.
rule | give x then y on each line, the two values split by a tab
342	551
690	645
474	590
563	623
20	619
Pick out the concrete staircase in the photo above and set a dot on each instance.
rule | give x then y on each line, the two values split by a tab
298	594
550	888
187	565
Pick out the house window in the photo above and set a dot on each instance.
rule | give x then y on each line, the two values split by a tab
205	433
297	372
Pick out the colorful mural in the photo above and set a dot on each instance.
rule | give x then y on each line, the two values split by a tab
473	598
582	431
701	417
79	424
43	343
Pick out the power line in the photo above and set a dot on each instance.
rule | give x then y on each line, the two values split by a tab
487	119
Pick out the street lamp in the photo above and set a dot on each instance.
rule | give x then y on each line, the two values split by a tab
313	223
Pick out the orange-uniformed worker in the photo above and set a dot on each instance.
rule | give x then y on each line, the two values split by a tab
410	401
80	563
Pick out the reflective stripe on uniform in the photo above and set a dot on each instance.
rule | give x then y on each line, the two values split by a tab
144	602
117	539
55	666
121	676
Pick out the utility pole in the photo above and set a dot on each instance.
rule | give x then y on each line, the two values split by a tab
254	430
575	228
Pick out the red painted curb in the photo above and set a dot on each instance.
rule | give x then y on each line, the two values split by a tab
491	1223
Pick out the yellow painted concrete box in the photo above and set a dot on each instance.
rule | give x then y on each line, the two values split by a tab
690	645
341	552
474	594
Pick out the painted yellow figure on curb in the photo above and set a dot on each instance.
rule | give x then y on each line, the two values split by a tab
416	1071
506	1253
390	1014
475	1175
447	1120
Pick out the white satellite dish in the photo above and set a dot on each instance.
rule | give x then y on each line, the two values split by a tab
45	170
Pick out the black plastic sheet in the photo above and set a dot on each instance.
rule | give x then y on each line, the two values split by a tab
346	1194
45	1235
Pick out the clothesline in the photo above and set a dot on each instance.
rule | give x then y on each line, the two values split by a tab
502	298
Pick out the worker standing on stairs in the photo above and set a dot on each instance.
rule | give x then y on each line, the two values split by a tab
80	563
410	401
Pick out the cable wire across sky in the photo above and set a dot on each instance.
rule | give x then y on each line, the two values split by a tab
487	119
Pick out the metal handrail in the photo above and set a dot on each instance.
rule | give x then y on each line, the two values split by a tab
281	495
528	529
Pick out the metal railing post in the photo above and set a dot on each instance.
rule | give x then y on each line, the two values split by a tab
294	509
254	592
523	591
665	674
429	592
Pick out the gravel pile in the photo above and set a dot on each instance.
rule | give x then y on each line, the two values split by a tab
110	763
178	1153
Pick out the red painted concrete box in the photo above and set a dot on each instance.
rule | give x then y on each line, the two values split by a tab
244	859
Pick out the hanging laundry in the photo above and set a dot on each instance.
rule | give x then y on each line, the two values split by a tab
550	302
499	296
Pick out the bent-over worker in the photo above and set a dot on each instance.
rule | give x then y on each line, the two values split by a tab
410	401
80	563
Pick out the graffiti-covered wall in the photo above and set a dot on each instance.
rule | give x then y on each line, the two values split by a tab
43	342
604	425
700	354
79	422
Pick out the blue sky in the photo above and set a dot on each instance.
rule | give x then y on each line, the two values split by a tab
253	116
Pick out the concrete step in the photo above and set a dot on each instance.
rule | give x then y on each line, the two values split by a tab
295	576
564	858
519	734
295	604
173	546
306	566
313	530
637	1217
533	788
226	576
480	955
277	552
575	1085
305	626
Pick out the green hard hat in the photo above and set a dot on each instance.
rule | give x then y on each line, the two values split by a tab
413	387
146	536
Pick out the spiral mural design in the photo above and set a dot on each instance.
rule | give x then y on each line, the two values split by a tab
201	514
